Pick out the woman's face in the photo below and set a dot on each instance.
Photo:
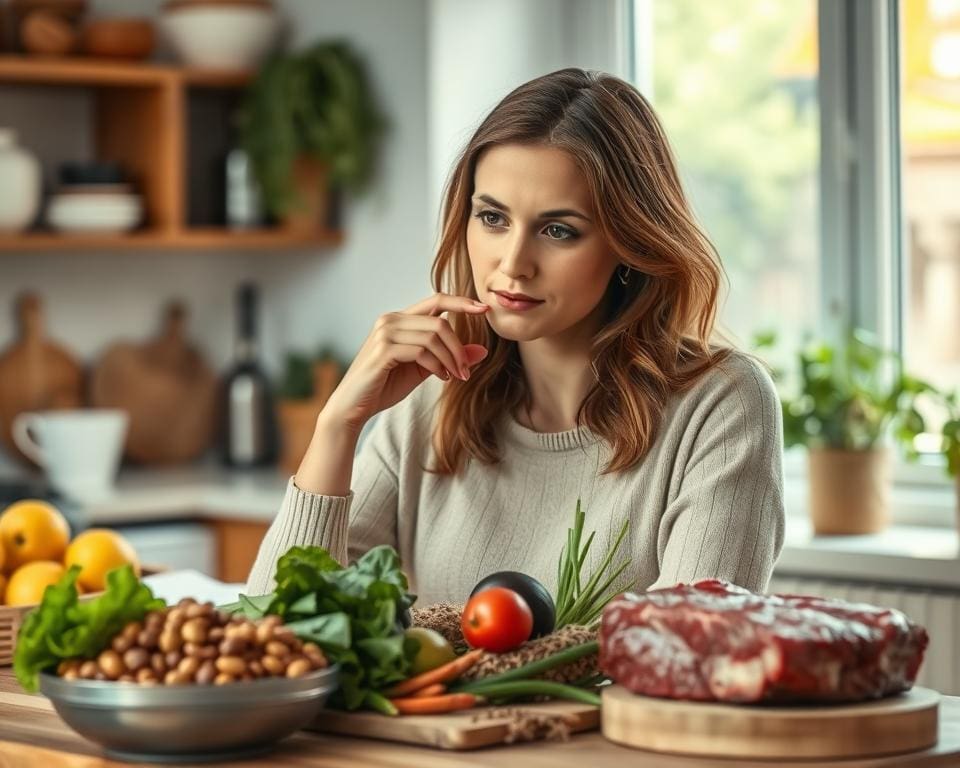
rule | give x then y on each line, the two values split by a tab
532	231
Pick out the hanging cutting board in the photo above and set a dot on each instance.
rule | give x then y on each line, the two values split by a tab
166	387
470	729
35	373
904	723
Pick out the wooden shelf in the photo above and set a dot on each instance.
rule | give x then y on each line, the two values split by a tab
81	71
166	126
200	239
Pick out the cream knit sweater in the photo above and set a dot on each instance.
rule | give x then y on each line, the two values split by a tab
706	501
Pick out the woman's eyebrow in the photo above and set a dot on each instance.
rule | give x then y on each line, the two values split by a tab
545	215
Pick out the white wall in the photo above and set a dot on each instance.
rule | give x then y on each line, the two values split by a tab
479	52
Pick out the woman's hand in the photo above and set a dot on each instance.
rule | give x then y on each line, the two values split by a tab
402	350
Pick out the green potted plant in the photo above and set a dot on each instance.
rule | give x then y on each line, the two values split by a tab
950	442
309	122
849	400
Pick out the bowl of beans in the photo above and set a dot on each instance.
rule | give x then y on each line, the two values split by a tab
191	683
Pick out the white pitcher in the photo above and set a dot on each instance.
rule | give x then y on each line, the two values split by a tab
20	184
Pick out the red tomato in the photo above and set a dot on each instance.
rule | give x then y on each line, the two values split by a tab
497	620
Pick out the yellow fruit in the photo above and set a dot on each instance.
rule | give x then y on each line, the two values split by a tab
28	582
32	530
98	551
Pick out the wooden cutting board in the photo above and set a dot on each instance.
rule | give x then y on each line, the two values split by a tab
35	373
166	387
904	723
470	729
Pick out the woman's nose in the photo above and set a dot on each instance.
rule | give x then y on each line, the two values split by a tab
517	260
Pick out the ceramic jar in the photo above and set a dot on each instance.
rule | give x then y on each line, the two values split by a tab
20	184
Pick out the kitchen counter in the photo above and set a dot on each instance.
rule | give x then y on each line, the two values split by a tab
33	736
903	555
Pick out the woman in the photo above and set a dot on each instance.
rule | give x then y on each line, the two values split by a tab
566	355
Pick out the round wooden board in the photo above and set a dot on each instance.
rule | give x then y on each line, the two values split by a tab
903	723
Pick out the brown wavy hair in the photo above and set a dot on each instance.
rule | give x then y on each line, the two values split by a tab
656	339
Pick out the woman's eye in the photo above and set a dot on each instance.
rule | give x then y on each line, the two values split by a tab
559	232
489	218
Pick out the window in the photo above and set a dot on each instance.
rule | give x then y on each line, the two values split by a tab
735	84
819	141
930	168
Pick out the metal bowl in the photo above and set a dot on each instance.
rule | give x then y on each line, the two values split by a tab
188	723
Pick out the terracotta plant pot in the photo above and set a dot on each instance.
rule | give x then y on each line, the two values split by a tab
310	211
299	417
849	491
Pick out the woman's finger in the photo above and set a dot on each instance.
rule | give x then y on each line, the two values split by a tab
445	302
431	341
424	358
442	328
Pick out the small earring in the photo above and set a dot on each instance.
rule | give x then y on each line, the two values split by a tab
624	274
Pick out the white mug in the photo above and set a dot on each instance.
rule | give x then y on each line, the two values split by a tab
79	449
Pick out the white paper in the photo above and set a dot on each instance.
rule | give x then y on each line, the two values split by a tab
174	585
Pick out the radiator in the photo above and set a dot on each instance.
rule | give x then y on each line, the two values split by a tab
938	611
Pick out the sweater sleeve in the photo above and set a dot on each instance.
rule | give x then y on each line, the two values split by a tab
727	519
346	526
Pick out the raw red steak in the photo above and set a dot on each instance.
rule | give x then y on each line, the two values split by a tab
716	641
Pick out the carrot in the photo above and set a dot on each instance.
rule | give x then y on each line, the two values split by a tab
437	689
442	674
435	705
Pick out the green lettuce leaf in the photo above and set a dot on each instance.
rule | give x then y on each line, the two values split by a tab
63	627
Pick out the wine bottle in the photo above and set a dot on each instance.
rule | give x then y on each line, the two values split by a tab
250	422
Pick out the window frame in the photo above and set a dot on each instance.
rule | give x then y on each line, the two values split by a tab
863	252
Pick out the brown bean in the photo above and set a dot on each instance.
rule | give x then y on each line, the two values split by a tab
206	674
175	677
313	652
176	617
158	664
186	602
215	635
100	676
127	678
195	630
189	666
221	617
154	621
232	646
170	640
88	669
273	665
298	667
278	649
71	674
223	678
66	665
172	659
111	664
131	631
121	643
199	609
264	632
148	638
255	667
146	675
232	665
136	658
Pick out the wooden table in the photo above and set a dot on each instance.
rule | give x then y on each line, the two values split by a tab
32	736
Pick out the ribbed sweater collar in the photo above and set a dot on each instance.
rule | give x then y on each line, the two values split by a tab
571	439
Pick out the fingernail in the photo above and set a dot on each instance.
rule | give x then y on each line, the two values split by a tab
465	373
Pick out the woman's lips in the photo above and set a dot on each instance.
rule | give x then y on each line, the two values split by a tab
517	305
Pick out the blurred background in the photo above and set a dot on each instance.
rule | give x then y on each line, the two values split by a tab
204	205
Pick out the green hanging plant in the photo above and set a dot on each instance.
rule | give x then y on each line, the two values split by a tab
316	102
